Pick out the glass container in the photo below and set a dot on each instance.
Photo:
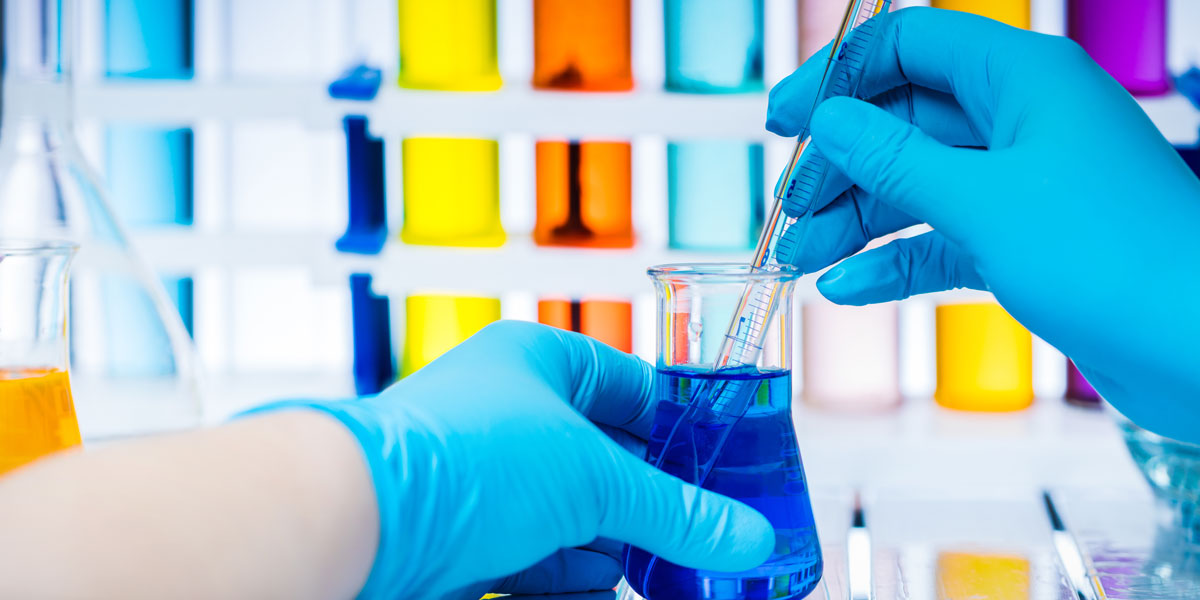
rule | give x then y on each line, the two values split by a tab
984	359
448	45
1172	468
610	321
442	207
48	191
714	46
1127	37
851	355
37	413
584	194
582	45
435	323
752	457
1014	12
714	195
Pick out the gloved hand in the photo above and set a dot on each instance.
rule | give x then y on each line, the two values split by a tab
1043	181
501	458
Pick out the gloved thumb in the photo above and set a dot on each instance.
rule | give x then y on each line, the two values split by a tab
889	158
680	522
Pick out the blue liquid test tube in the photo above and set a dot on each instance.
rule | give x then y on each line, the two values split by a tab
366	231
149	39
715	195
374	363
714	46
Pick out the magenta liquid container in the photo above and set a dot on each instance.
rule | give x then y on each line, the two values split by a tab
1127	37
1079	391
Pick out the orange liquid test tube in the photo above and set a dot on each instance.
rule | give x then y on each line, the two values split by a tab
37	416
582	45
1014	12
984	359
610	321
584	194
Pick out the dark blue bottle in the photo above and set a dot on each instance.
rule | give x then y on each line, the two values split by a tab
758	463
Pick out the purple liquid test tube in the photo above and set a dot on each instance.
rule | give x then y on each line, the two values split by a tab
1127	37
1079	391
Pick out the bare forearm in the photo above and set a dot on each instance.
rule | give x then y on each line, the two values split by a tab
274	506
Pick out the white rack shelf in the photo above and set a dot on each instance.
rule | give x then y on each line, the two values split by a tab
398	112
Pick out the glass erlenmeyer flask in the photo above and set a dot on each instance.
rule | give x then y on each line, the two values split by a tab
37	414
753	457
133	364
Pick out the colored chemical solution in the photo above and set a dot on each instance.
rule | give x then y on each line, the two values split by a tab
1013	12
756	462
37	416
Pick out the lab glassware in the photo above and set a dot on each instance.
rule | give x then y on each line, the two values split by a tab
714	194
851	355
149	39
1126	37
714	46
443	205
610	321
984	359
48	191
448	45
1079	391
582	45
1013	12
751	454
37	413
584	194
435	323
1172	468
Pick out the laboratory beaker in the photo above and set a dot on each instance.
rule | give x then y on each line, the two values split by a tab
37	413
1013	12
451	192
714	194
582	45
752	457
714	46
984	359
610	321
851	355
584	192
48	191
448	45
435	323
1126	37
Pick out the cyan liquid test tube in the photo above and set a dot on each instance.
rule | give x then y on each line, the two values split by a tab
149	39
715	194
714	46
1127	37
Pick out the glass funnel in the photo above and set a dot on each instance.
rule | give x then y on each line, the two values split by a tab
753	457
37	414
132	362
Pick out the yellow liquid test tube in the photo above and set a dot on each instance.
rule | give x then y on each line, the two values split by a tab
1013	12
451	192
37	416
963	576
448	45
435	323
984	359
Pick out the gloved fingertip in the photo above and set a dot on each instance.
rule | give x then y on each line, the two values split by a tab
836	124
753	539
843	285
779	126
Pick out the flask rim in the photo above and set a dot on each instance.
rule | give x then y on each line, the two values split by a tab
30	247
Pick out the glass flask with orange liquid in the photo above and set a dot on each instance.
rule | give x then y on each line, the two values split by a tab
133	365
37	413
582	45
584	194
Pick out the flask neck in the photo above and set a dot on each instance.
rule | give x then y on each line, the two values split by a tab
37	38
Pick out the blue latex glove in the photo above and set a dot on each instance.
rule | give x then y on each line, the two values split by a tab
504	456
1044	182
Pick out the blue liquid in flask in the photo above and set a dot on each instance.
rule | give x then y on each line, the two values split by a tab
759	464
